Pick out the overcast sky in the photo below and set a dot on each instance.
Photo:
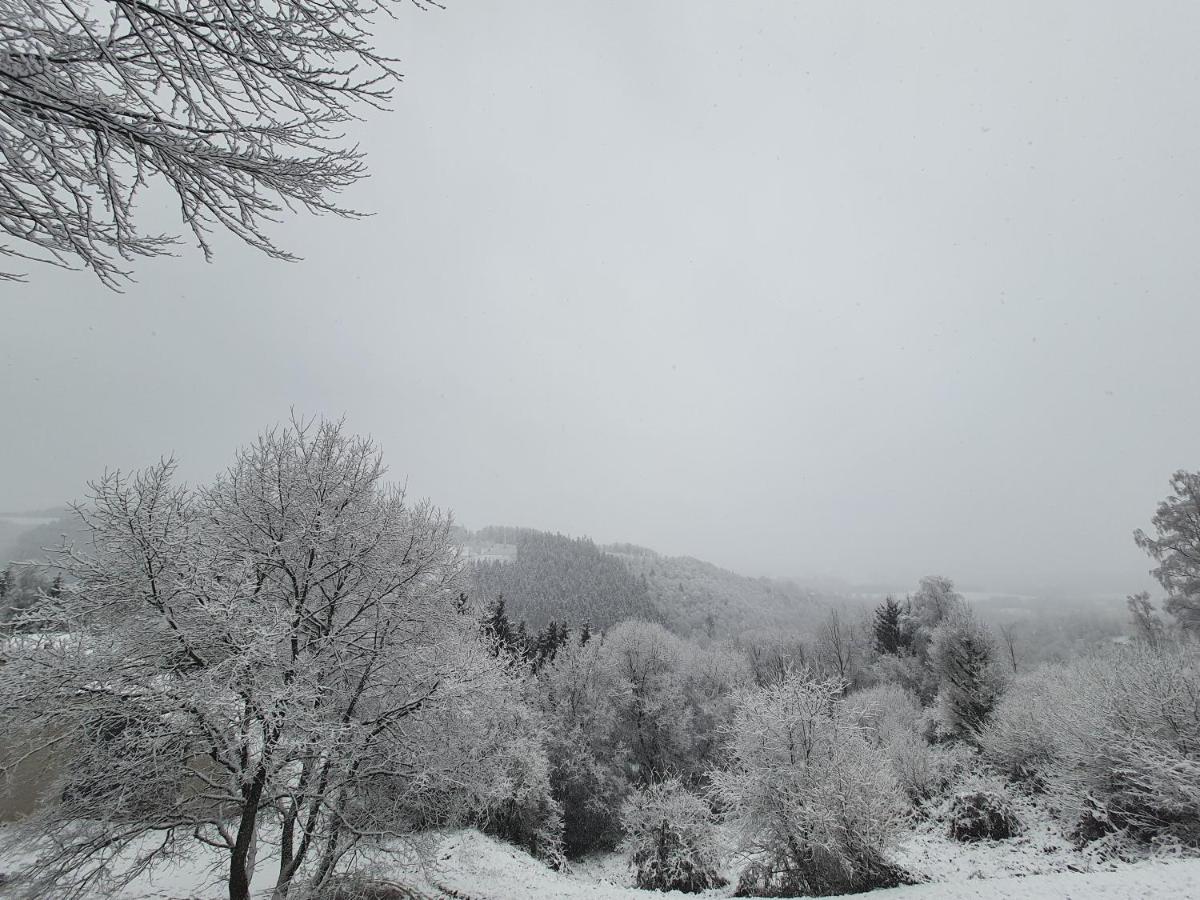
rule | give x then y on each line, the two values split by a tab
870	290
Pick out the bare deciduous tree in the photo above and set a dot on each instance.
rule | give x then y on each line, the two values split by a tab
235	107
835	647
1009	634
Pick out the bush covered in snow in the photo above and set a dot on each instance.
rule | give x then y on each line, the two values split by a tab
1022	739
813	799
982	816
1114	736
893	720
518	804
670	837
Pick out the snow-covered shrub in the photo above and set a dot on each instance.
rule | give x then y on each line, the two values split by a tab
924	771
893	719
909	671
886	711
1115	737
813	799
982	815
1021	738
670	838
1131	739
518	804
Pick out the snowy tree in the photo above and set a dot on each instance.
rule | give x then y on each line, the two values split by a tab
963	657
1148	625
712	677
889	638
653	719
1175	546
282	647
579	693
671	839
812	798
934	600
236	108
772	655
840	647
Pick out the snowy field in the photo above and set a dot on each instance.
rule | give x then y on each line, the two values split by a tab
472	866
475	867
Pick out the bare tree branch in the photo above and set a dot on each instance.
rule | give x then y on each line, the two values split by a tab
236	107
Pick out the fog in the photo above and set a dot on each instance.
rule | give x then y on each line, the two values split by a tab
858	290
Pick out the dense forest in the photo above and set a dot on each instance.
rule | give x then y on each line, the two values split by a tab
554	576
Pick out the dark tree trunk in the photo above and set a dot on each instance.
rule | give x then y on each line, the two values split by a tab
239	878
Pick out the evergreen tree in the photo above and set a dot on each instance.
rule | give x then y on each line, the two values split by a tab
889	636
962	655
496	625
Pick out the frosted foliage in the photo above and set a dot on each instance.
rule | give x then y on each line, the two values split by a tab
812	798
970	681
235	107
1175	546
653	719
281	646
671	839
893	719
1115	736
579	693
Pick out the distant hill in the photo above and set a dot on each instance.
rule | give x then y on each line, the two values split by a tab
698	598
546	576
23	536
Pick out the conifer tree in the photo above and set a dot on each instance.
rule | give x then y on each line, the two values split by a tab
889	636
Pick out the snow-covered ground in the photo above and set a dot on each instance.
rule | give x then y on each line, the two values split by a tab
475	867
471	866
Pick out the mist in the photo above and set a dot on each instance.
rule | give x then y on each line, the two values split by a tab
802	289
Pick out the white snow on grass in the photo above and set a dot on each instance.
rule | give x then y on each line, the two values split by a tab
475	867
1151	880
471	866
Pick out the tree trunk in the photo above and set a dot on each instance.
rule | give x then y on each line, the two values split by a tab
241	860
286	855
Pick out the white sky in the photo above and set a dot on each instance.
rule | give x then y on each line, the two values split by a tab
864	289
